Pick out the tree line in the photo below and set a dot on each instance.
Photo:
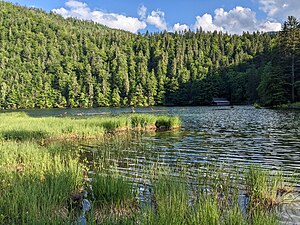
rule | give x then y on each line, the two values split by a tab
47	61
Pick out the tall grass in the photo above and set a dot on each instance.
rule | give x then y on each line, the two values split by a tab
140	121
264	188
19	126
35	185
113	200
170	201
36	181
205	212
260	217
171	204
111	189
166	122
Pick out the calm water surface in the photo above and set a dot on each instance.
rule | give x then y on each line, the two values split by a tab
236	136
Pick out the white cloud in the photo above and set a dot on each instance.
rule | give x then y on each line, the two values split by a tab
142	12
157	18
206	23
81	10
280	9
270	26
73	4
235	21
180	27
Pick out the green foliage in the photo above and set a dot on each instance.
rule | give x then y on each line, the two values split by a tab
111	189
289	44
19	126
57	62
170	192
234	216
36	184
143	121
173	202
206	212
165	122
264	188
264	218
272	86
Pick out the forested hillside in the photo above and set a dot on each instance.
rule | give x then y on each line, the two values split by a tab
48	61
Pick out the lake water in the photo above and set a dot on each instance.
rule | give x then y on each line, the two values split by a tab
240	135
237	136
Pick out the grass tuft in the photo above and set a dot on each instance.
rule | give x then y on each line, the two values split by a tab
35	185
265	189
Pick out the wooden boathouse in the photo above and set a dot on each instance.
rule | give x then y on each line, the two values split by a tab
220	102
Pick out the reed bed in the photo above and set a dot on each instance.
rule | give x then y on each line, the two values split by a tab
20	126
173	201
37	184
266	189
44	184
113	200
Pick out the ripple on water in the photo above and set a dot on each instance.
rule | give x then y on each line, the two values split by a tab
236	137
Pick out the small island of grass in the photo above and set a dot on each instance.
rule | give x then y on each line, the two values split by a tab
20	126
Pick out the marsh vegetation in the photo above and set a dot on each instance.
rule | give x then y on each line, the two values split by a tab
44	180
19	126
39	184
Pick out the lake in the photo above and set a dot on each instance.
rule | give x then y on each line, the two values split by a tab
240	135
237	136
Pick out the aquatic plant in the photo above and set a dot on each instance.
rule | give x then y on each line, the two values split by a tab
111	188
35	184
113	200
21	127
38	182
165	122
264	188
170	200
261	217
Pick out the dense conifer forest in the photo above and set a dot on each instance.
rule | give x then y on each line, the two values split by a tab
47	61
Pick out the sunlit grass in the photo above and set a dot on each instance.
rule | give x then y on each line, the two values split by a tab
173	202
111	189
113	200
166	122
19	126
264	188
35	184
37	181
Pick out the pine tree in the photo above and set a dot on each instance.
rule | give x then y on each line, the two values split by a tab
290	43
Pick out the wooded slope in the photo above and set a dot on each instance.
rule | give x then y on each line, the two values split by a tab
48	61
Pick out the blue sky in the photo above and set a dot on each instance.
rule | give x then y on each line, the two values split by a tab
232	16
